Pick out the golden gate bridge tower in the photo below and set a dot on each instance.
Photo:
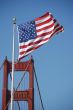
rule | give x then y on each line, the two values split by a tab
25	95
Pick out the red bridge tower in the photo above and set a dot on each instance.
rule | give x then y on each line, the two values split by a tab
26	95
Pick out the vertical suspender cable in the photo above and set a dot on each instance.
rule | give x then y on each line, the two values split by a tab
12	83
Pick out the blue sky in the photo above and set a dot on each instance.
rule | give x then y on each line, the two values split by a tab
54	60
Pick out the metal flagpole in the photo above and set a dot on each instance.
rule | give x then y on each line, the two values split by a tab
12	83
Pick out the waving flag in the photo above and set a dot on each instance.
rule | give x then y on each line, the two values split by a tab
35	33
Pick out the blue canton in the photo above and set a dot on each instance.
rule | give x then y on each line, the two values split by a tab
27	31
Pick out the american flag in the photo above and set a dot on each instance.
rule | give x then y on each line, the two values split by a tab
35	33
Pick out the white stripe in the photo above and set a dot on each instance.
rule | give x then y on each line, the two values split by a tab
44	25
35	46
56	28
55	23
43	19
57	32
28	47
20	56
45	31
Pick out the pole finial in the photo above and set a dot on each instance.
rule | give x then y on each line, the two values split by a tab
14	20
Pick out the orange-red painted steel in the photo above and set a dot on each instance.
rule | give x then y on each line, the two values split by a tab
27	95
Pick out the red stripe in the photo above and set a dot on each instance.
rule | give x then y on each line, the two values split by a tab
41	41
60	29
24	46
22	57
21	53
45	22
47	27
42	17
57	25
44	34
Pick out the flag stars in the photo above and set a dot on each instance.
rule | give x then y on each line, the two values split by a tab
27	31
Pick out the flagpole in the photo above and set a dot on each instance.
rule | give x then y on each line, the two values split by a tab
13	52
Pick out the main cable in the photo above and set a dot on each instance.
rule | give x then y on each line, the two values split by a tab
38	88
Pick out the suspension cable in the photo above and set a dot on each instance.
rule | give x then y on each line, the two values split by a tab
19	83
38	88
2	64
